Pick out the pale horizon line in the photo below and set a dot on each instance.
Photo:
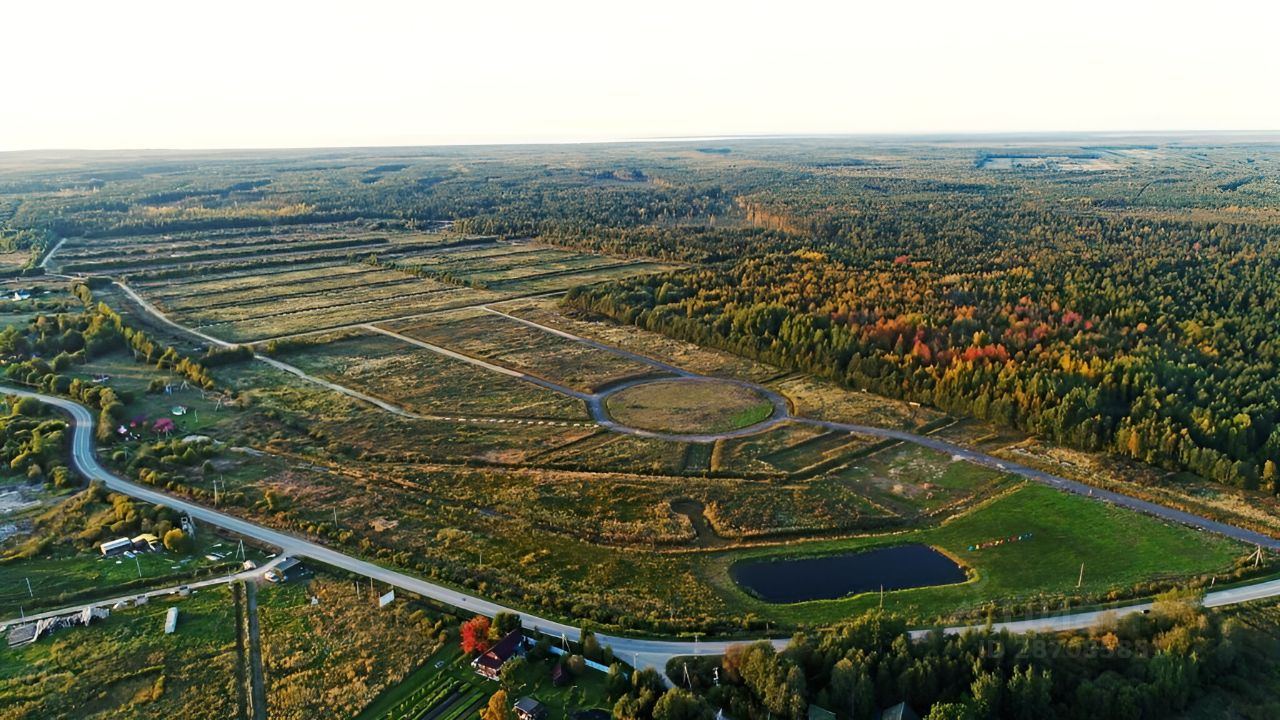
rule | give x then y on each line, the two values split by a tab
658	139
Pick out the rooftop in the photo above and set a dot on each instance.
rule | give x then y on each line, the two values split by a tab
500	653
528	705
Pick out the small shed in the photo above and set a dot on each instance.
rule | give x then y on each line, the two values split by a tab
527	708
146	541
282	571
171	621
116	547
22	634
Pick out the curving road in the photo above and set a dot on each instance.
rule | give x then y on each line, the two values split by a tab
641	652
86	462
782	413
653	652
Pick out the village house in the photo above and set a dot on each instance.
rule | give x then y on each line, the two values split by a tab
526	708
490	663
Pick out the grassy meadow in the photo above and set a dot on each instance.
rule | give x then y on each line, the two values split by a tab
682	406
126	667
1118	548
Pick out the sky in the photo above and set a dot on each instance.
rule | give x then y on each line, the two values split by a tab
273	73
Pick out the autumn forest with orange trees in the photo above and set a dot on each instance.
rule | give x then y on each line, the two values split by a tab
1153	339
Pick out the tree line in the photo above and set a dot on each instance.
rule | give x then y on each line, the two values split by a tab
1140	666
1102	357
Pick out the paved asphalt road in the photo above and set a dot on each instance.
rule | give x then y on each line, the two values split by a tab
641	651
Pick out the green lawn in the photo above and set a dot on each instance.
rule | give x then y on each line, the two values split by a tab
66	579
125	666
585	691
1119	549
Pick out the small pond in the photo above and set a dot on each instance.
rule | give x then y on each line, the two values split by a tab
835	576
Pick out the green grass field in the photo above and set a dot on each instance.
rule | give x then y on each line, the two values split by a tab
203	413
1118	548
915	481
62	579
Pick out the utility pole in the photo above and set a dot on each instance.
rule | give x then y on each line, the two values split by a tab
335	518
138	562
1081	580
29	591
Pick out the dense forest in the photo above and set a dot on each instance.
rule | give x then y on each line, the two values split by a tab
1152	340
1179	657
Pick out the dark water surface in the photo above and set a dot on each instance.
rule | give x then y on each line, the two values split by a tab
835	576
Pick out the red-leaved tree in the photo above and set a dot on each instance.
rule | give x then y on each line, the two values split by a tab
475	634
